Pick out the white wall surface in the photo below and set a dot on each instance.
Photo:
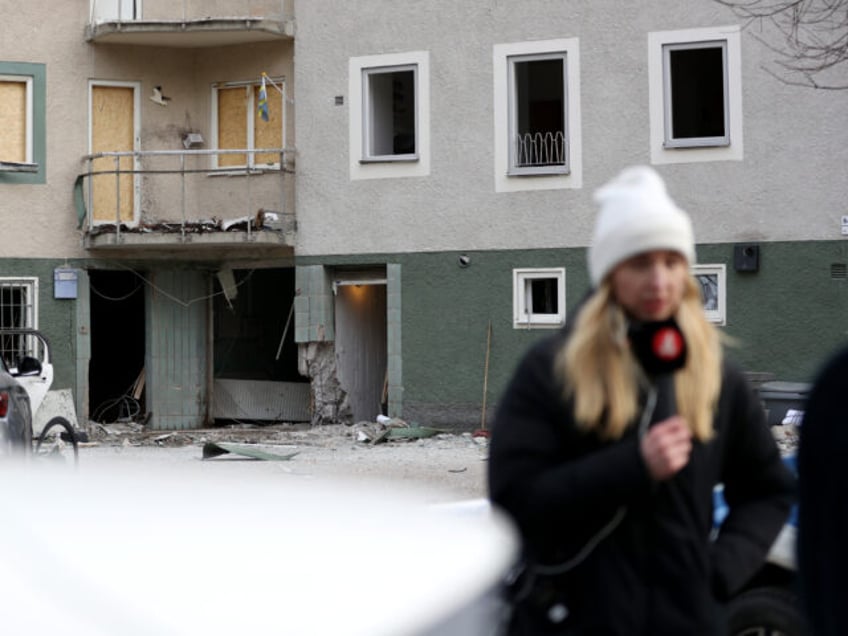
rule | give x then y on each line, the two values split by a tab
789	184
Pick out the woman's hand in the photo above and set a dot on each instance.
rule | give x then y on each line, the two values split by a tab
666	447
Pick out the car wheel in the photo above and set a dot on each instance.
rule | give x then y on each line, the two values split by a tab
765	611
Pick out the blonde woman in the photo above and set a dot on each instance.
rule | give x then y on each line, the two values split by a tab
608	443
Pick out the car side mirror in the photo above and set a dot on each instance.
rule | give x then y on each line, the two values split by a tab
29	366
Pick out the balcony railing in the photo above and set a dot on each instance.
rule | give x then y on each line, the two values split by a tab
167	198
189	22
539	149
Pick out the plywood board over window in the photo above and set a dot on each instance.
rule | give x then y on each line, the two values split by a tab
239	125
268	134
232	126
113	130
13	121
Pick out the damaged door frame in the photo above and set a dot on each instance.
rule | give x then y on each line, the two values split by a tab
358	278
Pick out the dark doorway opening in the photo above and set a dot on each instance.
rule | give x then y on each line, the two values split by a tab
256	377
115	371
252	341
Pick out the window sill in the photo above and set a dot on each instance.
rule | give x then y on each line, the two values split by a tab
537	325
692	144
537	172
14	166
384	160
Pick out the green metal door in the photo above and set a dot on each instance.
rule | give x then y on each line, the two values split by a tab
176	352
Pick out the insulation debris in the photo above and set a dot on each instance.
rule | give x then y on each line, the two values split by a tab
253	451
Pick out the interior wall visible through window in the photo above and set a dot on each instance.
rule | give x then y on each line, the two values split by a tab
390	108
696	94
538	134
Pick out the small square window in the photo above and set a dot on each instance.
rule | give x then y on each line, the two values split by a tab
390	113
538	297
537	99
696	104
712	280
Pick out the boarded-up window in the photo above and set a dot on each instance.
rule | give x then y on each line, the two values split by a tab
113	130
14	120
241	127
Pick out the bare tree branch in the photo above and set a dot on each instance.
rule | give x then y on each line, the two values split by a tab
812	37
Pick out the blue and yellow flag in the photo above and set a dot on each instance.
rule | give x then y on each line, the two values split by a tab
262	108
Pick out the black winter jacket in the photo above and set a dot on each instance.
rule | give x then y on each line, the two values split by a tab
658	572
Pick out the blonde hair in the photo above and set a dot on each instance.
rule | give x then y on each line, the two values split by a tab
602	376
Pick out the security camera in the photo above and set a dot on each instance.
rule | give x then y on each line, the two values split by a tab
464	260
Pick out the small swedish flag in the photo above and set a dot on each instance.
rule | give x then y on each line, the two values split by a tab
262	108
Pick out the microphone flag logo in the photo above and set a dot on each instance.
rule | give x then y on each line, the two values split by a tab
667	343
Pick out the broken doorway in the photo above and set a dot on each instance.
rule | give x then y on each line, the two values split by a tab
255	376
115	389
361	344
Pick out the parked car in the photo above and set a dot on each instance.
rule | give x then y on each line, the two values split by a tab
768	605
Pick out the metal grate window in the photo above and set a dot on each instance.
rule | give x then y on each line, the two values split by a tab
838	271
18	310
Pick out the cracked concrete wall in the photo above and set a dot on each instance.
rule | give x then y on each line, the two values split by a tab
330	403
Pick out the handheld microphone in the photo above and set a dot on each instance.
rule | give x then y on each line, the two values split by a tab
661	350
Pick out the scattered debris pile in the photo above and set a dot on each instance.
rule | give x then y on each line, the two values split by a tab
264	220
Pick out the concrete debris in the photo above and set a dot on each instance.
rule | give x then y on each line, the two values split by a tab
392	428
330	404
253	451
264	220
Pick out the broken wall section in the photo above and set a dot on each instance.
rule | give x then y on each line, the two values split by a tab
315	334
330	403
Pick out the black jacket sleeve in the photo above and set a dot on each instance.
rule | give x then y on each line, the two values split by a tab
758	488
530	473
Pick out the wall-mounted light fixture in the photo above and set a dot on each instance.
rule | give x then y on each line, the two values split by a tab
192	140
746	257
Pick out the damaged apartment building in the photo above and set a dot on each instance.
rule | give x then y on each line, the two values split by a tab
277	211
147	176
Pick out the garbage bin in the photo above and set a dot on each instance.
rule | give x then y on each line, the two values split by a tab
778	397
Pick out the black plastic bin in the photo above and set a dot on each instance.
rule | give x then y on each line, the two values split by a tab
778	397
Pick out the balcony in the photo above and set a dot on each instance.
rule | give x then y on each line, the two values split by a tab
188	204
189	23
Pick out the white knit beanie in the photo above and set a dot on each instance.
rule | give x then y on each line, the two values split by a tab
636	215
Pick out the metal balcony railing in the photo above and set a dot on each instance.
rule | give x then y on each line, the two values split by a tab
539	149
187	10
189	23
184	191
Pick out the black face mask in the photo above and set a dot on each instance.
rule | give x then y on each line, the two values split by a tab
658	346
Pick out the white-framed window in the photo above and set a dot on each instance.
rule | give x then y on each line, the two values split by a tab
389	115
238	124
18	310
695	92
537	115
538	297
713	282
16	133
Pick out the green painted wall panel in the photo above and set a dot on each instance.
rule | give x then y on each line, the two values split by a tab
784	319
56	318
